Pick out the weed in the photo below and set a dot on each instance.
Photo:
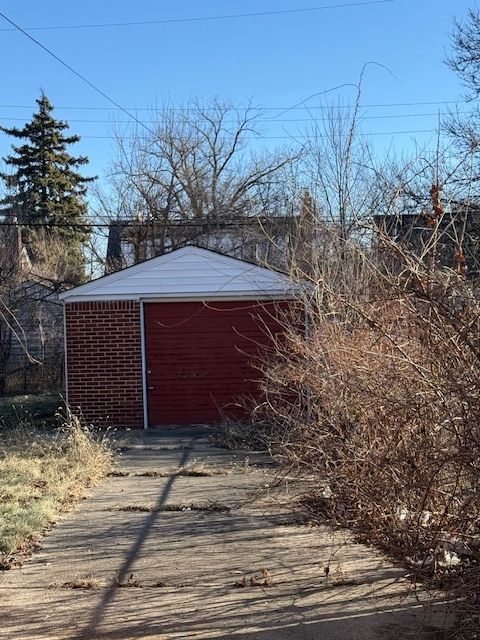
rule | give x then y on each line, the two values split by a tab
201	471
214	507
43	474
129	582
8	562
252	436
142	508
338	577
83	583
118	473
39	410
261	579
152	473
194	471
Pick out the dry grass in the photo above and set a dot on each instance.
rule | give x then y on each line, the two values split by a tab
234	434
87	584
194	470
43	474
140	508
92	583
131	581
118	473
214	507
151	473
201	471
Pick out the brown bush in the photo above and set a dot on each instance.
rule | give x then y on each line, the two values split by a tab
379	399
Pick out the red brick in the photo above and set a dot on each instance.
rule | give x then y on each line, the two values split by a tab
104	361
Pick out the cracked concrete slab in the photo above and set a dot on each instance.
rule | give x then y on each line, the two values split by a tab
167	574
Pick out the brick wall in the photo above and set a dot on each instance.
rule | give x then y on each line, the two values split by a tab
104	361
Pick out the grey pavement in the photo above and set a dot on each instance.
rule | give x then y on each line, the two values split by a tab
159	555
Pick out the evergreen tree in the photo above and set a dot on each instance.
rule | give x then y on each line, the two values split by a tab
46	189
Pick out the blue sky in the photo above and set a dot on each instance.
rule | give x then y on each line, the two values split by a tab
276	60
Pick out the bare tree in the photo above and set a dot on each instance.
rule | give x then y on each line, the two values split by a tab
195	169
30	315
10	269
340	168
464	60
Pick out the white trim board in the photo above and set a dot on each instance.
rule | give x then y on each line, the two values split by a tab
144	367
65	353
182	298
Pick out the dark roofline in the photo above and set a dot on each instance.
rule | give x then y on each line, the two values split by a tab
242	220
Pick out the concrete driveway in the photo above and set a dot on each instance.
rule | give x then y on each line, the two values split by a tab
155	556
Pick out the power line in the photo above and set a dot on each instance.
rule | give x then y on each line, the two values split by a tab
360	117
231	16
142	124
292	136
75	72
61	225
265	120
361	133
322	107
262	137
125	224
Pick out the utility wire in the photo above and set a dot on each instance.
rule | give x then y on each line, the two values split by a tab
231	16
150	109
292	136
138	224
57	225
127	224
77	73
265	120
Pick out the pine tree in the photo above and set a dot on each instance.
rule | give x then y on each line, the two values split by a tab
45	188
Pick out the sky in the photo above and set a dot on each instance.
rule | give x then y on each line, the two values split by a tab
276	60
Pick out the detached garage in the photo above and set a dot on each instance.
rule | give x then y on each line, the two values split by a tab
172	340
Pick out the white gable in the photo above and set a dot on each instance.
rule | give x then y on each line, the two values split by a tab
190	272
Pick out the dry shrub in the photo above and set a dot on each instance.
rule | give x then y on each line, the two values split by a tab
380	400
251	435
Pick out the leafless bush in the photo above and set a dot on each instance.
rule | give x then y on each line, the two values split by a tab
42	377
380	399
31	345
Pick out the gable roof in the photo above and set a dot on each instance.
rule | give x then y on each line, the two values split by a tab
189	272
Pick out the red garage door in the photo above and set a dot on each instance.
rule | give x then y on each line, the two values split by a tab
199	357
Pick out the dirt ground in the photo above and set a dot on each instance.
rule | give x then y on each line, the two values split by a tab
156	555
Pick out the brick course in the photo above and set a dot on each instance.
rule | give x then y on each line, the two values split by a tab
104	361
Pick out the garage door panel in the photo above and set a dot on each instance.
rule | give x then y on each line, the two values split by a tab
200	357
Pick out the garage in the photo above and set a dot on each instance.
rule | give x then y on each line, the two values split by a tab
174	340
